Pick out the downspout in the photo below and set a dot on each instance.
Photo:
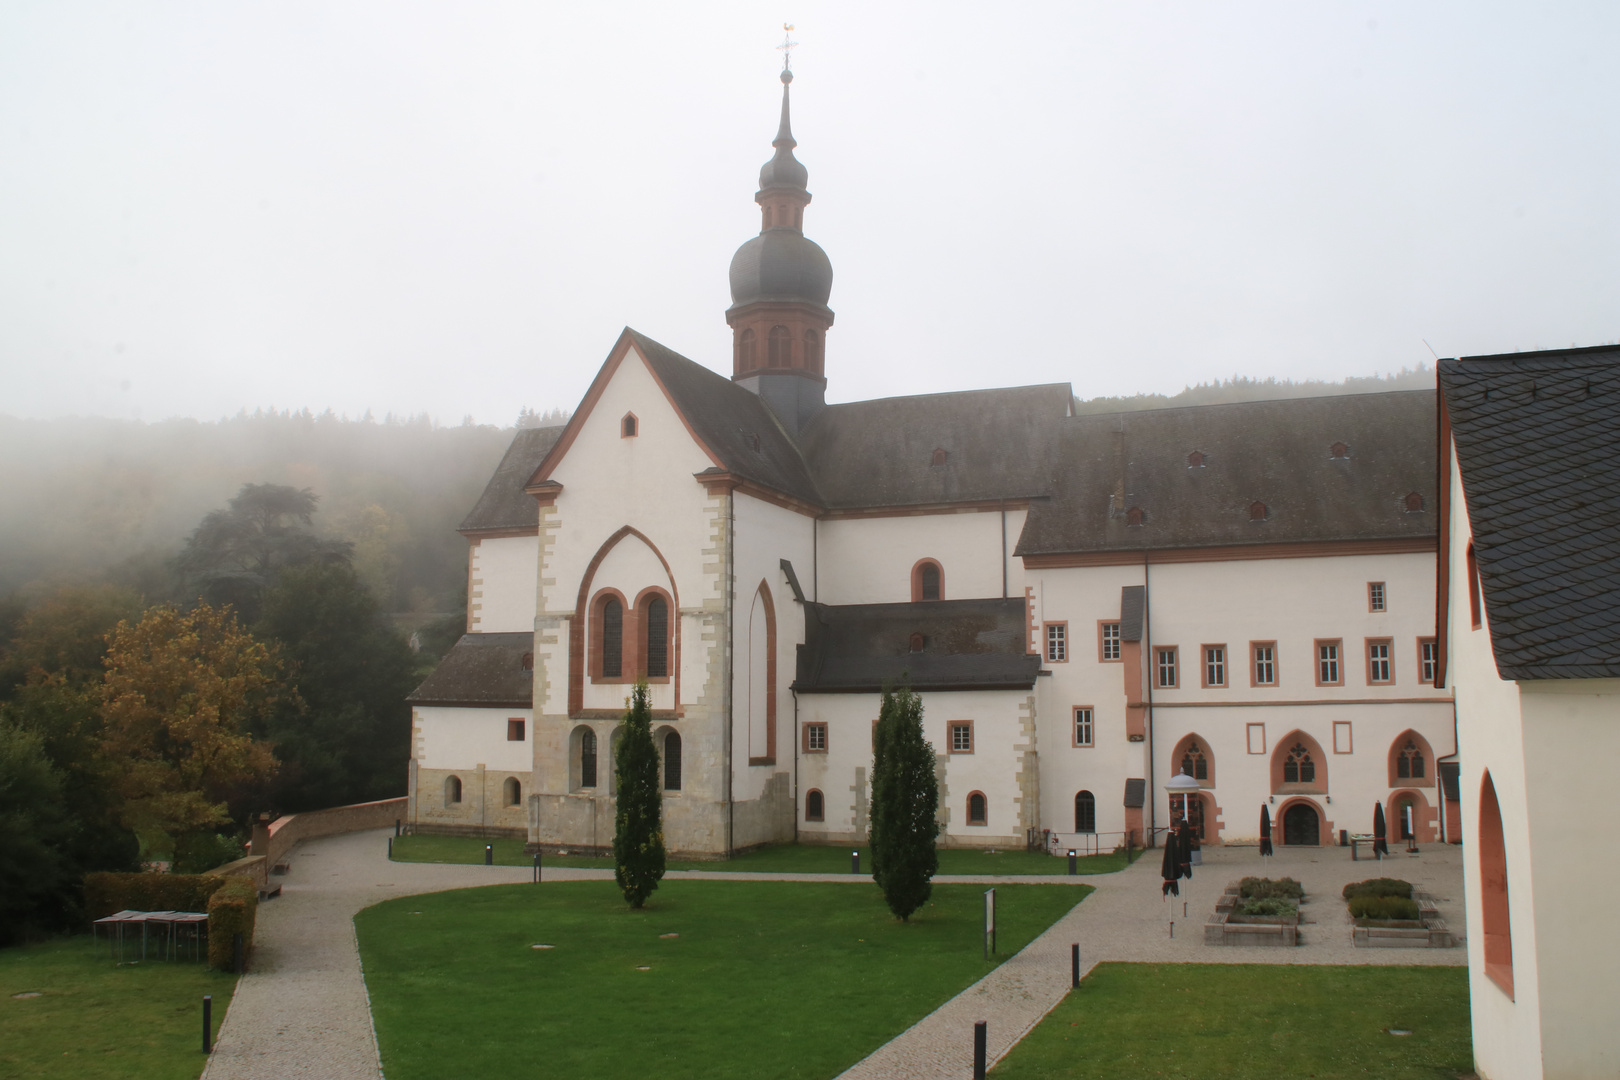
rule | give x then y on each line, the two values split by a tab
1004	551
1147	635
797	743
731	634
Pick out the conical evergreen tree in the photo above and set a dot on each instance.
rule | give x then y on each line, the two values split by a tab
905	805
638	829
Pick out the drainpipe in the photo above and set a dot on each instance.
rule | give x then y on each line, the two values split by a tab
727	696
797	743
1151	797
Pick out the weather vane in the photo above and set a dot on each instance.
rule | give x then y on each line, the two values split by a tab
787	46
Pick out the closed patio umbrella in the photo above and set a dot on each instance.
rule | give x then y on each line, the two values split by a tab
1265	829
1380	845
1171	869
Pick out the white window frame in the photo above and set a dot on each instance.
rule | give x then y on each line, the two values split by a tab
1057	643
1085	730
1160	667
1110	642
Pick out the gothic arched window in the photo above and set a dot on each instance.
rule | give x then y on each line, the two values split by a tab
657	651
1298	768
781	343
1410	762
587	759
1194	763
612	638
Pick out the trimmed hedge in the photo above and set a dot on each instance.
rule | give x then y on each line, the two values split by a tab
108	893
1383	907
1270	905
1259	888
1379	887
232	910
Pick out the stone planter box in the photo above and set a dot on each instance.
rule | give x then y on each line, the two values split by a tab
1255	931
1428	931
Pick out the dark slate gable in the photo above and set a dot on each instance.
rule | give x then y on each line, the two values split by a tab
482	669
504	505
967	645
1278	453
1538	447
998	444
731	421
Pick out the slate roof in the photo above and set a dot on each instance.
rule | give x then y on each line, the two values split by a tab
1132	611
481	669
1538	448
1274	452
732	421
999	444
1136	792
504	505
967	645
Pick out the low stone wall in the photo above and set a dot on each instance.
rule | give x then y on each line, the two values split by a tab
254	866
272	842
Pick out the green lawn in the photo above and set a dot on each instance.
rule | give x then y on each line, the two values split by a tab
766	979
775	859
95	1019
1252	1022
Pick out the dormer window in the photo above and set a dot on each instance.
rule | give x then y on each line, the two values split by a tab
1257	511
917	642
1195	460
1414	503
1133	516
628	427
939	457
1338	450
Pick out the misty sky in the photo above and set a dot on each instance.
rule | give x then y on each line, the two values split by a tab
453	207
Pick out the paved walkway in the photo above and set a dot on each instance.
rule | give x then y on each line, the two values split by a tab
302	1011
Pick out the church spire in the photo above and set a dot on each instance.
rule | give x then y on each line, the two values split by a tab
780	283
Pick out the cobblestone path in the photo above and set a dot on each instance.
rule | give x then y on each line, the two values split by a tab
303	1011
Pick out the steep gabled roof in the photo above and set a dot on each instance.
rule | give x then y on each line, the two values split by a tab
482	669
967	645
1279	454
999	444
504	505
1538	448
733	426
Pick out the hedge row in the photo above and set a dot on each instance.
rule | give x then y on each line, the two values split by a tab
1259	888
232	910
108	893
1382	886
1383	907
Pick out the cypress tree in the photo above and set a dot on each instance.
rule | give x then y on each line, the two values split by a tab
905	805
638	829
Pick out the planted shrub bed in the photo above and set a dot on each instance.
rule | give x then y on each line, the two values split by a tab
1257	911
1390	914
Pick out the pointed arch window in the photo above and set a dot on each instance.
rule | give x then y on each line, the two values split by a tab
612	638
781	347
1409	764
1194	762
657	647
587	758
1298	767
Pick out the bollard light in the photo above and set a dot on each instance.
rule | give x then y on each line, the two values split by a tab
1074	862
1074	964
208	1023
855	862
980	1041
537	868
489	854
390	847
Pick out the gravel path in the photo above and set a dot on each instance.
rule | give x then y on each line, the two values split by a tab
302	1011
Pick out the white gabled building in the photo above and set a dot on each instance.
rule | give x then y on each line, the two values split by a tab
1530	605
1087	603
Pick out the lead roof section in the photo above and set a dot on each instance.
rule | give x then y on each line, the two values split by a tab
1132	605
1537	437
504	505
999	445
482	670
732	422
966	645
1278	453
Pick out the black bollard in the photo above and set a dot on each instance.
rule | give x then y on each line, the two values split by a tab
396	826
489	854
238	947
981	1036
1074	965
537	868
390	848
855	862
1074	862
208	1023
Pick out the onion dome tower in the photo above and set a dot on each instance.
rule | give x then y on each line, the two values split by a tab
780	283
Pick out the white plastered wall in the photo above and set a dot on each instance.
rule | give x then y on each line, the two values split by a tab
869	560
501	586
463	738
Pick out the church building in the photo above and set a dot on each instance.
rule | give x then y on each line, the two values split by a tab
1088	603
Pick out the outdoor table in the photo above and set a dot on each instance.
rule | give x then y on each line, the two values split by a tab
1356	840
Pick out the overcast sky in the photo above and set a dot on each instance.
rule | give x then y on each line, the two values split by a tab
453	208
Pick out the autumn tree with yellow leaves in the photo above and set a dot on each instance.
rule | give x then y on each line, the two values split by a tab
183	691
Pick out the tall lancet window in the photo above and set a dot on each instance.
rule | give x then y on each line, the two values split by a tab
781	347
812	351
745	351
